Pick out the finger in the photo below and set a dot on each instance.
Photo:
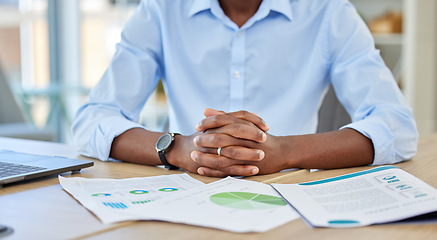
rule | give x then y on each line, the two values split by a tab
242	153
251	117
242	131
208	150
211	172
236	153
212	160
235	170
220	118
216	140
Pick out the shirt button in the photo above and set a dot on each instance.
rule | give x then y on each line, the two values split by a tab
239	34
237	74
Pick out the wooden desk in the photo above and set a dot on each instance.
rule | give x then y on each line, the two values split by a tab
40	209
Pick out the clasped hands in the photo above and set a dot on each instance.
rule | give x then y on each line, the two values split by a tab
245	146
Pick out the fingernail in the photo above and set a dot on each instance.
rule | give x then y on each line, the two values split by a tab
200	171
198	126
196	140
264	137
267	126
261	154
194	156
255	171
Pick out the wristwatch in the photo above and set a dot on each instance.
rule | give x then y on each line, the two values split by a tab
163	145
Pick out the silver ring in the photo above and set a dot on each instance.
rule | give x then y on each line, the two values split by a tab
219	151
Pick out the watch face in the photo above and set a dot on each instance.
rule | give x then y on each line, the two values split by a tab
164	142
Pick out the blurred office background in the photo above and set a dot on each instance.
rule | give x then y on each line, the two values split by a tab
52	52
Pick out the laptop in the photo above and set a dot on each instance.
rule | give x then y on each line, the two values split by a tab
16	166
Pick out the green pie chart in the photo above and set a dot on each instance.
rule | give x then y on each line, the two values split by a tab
138	192
247	200
168	189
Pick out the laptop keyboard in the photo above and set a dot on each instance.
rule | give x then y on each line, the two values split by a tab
11	169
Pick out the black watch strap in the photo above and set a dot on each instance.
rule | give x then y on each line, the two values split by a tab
165	162
162	153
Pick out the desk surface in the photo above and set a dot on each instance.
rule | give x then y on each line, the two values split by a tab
40	209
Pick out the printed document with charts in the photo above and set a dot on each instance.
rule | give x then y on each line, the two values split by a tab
109	199
379	195
229	204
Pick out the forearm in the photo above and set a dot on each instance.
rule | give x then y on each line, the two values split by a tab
136	145
338	149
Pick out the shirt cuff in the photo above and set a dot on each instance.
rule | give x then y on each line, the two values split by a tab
381	137
105	132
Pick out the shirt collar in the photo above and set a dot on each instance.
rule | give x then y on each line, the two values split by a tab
280	6
283	7
199	6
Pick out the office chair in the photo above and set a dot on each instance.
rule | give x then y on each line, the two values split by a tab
332	114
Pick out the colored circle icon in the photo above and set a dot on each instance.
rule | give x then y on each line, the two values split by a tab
168	189
101	194
247	200
138	191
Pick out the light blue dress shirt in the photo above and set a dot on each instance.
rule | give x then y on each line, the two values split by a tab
279	65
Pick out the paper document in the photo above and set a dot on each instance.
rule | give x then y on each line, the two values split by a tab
379	195
229	204
109	199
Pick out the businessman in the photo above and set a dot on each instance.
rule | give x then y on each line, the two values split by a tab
244	80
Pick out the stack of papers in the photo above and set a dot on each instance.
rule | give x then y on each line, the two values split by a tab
379	195
229	204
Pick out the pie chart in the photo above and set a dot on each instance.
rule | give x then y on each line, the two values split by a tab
247	200
168	189
138	192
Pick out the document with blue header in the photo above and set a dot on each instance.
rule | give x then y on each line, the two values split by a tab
379	195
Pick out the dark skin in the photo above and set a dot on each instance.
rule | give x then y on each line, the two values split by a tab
247	147
240	11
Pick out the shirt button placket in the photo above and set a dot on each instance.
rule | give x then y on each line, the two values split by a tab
237	72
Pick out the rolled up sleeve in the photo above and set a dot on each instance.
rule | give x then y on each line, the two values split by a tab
115	103
367	89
